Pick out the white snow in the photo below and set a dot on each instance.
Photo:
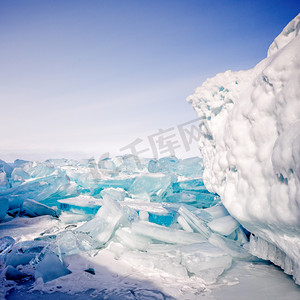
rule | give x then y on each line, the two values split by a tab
225	225
250	142
24	229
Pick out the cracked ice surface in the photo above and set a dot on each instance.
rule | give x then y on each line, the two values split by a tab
82	229
66	222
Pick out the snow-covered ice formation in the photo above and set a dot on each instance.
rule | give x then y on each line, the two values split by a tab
250	142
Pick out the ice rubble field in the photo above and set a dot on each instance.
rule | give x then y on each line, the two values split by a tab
120	227
153	215
251	147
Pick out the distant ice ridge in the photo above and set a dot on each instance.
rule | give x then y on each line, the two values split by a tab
250	122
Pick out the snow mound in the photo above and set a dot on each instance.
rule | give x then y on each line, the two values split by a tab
250	142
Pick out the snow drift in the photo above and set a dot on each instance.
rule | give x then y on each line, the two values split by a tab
250	142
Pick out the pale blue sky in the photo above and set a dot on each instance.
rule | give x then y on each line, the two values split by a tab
80	78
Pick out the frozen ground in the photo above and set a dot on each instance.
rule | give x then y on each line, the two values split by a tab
244	281
115	279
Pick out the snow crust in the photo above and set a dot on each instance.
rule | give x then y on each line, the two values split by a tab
250	142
